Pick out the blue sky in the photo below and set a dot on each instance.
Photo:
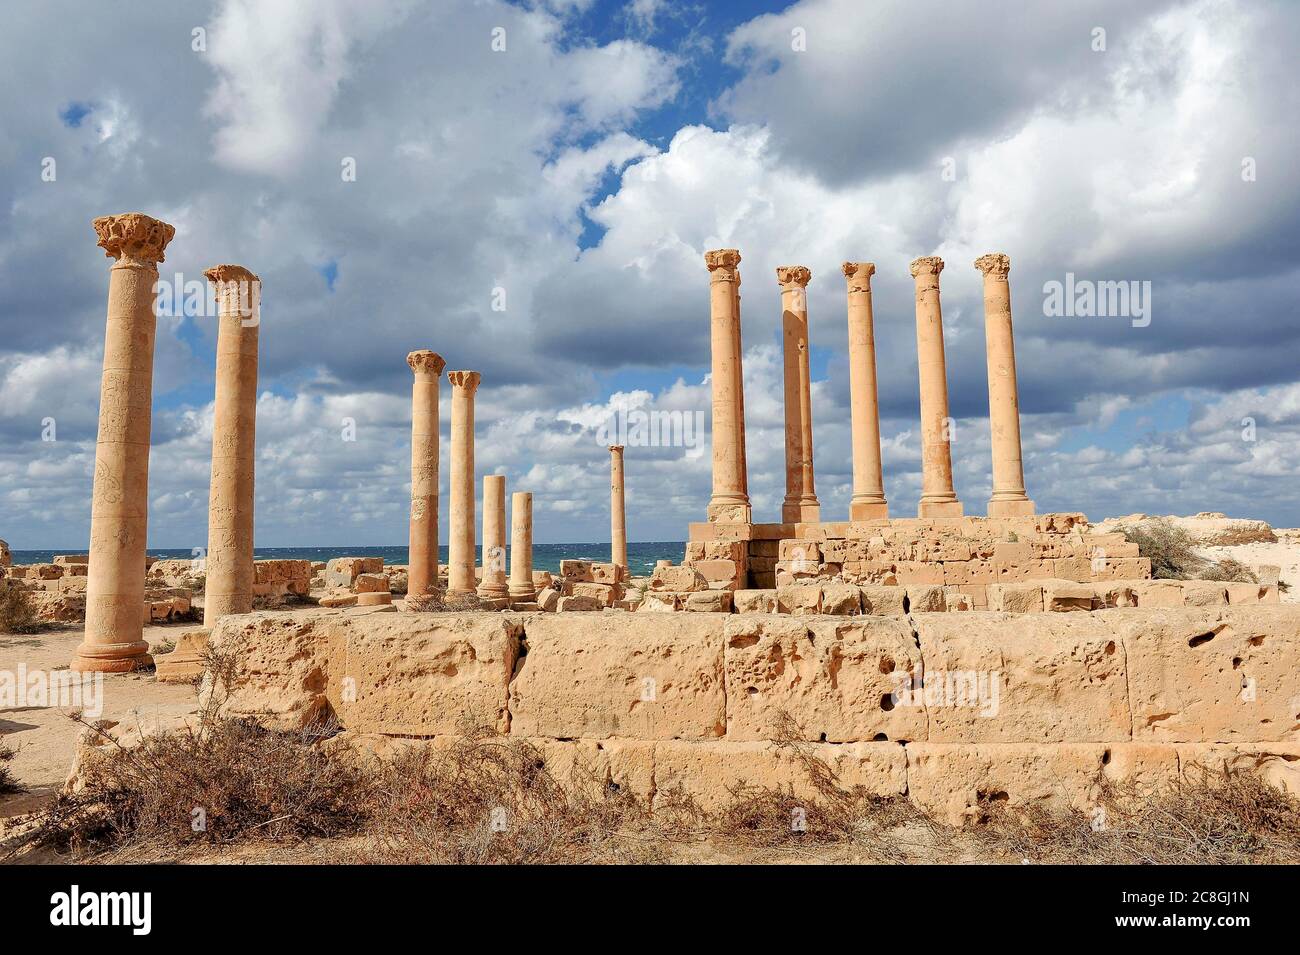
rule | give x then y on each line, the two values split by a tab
579	174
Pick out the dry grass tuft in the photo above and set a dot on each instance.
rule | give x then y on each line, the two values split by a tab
8	784
1173	554
17	615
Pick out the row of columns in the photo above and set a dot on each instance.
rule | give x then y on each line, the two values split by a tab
730	499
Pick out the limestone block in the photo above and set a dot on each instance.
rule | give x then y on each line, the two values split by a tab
659	601
841	599
754	601
720	574
1121	568
969	572
998	678
800	551
955	599
1268	574
1062	596
1159	593
710	771
548	599
951	781
338	598
1213	674
577	570
603	594
678	579
1020	597
371	584
708	601
835	678
882	601
422	674
579	602
1204	593
374	598
599	766
1276	763
1117	594
1031	569
917	572
925	599
799	599
343	571
607	573
1073	568
45	571
1243	593
611	675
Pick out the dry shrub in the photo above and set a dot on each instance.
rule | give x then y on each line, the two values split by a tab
1223	818
1173	554
8	784
17	615
438	600
492	799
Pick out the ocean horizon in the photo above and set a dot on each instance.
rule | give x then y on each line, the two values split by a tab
641	555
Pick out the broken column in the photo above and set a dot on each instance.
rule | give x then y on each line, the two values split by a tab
868	502
228	586
119	508
937	496
617	515
1009	498
730	500
521	548
422	575
493	586
800	503
460	540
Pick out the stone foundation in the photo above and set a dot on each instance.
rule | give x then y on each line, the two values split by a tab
948	711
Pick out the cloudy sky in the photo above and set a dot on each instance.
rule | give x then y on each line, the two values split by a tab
535	184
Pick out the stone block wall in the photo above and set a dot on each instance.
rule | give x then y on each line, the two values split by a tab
947	711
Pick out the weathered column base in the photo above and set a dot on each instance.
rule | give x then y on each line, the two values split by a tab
112	657
185	663
868	510
1015	508
801	513
378	599
522	594
939	509
729	512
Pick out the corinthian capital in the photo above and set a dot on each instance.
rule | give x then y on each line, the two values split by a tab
133	236
722	259
467	380
220	274
994	263
927	265
859	275
793	275
426	362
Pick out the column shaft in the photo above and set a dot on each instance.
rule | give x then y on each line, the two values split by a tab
617	516
800	495
228	586
730	501
937	496
521	547
422	573
120	497
868	502
493	584
460	542
1009	498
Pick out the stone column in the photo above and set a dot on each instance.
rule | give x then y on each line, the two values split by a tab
730	501
119	508
1008	498
460	541
937	496
800	497
422	574
229	563
868	502
617	515
521	547
493	585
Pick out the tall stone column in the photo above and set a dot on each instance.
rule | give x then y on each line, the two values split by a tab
521	547
493	585
229	564
730	501
868	502
460	541
800	497
119	507
422	574
1009	498
937	496
617	515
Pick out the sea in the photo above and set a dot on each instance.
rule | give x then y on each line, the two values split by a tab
641	555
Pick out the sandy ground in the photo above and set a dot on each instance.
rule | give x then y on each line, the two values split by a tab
45	738
1284	554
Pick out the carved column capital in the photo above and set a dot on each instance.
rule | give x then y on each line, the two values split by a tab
723	265
926	265
859	275
425	362
466	380
996	264
793	275
134	237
